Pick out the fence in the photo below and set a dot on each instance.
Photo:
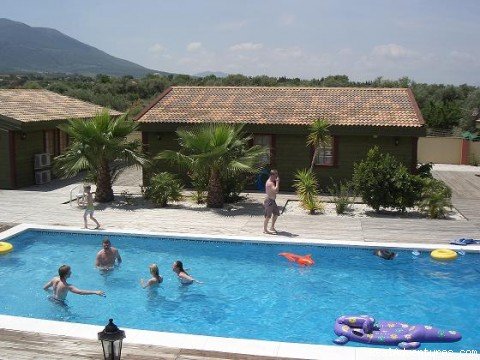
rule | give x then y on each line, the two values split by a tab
448	150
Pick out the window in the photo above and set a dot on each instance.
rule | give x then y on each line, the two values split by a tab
50	142
266	141
63	137
326	153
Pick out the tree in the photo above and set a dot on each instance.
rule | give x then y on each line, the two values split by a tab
318	136
383	181
218	149
95	145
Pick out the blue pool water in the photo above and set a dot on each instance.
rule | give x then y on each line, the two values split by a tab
248	292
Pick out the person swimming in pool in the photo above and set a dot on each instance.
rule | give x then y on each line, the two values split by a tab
61	287
155	280
183	276
106	258
384	254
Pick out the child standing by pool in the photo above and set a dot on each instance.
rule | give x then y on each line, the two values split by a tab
156	278
89	210
182	275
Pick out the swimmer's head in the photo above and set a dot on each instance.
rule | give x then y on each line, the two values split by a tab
154	270
106	243
87	188
273	174
64	271
178	267
385	254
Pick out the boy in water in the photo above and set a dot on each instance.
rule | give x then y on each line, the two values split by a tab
89	210
61	287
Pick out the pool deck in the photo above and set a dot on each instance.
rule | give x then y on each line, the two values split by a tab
45	206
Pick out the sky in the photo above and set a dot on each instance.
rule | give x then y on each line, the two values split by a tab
432	41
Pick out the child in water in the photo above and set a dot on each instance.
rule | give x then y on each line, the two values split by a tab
156	279
183	276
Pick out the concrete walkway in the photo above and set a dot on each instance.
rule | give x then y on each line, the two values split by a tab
47	205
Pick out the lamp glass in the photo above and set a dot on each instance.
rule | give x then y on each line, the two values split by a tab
112	350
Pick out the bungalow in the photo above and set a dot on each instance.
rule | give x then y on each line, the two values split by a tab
29	136
279	119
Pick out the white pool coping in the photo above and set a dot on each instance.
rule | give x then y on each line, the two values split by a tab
233	345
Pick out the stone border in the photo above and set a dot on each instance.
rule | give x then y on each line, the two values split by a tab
229	345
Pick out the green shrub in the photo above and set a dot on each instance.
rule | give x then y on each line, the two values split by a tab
199	197
382	181
424	170
233	185
436	197
306	187
199	181
164	187
343	196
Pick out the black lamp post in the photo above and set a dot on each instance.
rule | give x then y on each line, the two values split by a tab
111	338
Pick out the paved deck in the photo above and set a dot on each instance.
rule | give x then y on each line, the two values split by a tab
46	205
19	345
465	185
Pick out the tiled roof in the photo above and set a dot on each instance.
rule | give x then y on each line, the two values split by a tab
280	106
27	105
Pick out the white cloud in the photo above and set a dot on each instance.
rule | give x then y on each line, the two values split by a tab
248	46
291	52
345	52
232	25
156	49
287	19
462	56
391	51
194	46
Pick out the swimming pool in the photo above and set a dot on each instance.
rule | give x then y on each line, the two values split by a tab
248	291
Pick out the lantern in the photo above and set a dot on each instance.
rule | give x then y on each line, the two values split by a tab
111	338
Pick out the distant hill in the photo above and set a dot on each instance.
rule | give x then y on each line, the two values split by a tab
218	74
34	49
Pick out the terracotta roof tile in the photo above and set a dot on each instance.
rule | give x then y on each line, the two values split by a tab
290	106
27	105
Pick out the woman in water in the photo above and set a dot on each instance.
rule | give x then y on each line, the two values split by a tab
182	275
156	279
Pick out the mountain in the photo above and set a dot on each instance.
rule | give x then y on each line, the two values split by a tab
218	74
35	49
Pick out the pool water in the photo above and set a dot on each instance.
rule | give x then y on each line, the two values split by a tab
248	292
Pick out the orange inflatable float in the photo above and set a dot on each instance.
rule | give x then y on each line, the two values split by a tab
305	260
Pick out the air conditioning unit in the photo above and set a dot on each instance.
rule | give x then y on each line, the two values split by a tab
42	160
42	177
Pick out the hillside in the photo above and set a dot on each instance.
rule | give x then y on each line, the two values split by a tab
42	50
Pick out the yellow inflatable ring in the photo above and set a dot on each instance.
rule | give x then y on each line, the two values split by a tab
443	254
5	247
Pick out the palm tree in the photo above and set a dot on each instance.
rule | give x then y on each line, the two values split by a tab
217	149
95	145
318	136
